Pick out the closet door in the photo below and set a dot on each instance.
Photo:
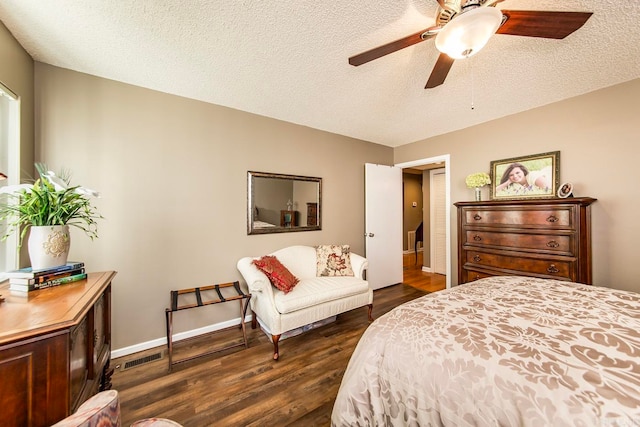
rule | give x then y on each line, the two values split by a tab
438	221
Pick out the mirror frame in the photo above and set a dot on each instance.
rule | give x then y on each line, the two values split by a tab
251	196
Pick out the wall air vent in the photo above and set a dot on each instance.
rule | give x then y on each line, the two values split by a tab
142	360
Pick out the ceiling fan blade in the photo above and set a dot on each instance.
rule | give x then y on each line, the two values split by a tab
388	48
440	71
551	25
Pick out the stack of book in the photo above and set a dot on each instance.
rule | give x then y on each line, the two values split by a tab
27	279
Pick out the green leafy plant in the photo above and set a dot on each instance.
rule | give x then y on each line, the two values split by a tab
50	200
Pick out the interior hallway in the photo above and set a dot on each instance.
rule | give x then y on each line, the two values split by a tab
414	276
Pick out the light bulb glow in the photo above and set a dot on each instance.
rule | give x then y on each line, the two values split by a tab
469	32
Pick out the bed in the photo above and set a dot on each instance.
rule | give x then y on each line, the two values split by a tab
262	224
505	351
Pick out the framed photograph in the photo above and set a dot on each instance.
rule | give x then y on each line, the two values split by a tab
527	177
565	190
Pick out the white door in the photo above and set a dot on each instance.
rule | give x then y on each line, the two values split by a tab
438	226
383	224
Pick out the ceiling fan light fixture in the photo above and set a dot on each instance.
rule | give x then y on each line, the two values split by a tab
468	32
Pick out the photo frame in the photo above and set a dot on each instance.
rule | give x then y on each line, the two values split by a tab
526	177
565	190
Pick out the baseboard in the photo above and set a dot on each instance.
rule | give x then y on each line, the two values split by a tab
411	251
125	351
427	269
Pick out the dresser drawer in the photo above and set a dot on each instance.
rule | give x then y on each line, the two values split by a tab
513	264
546	243
471	276
548	217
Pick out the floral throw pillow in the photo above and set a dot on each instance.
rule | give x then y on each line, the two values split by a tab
333	260
277	273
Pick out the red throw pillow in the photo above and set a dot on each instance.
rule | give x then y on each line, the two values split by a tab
277	273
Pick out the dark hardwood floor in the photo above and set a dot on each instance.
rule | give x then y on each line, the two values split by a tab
245	387
414	276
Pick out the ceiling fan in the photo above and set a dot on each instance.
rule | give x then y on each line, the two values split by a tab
463	27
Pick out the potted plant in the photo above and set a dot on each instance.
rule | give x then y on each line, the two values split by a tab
47	208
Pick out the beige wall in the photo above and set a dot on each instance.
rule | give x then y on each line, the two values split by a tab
597	135
173	178
16	73
411	192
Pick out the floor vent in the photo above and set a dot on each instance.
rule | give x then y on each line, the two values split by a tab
142	360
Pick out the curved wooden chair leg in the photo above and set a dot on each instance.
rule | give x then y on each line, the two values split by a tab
275	339
254	321
369	312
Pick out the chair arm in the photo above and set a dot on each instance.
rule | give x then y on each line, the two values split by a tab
359	264
256	280
262	301
102	408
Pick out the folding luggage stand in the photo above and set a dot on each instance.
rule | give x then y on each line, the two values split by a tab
200	302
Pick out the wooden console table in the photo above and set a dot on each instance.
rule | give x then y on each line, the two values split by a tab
55	349
205	295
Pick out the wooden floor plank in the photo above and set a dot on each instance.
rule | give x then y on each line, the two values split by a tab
245	387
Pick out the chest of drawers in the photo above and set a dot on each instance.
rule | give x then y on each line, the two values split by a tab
55	350
548	238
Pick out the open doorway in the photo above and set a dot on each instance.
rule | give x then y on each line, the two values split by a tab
433	210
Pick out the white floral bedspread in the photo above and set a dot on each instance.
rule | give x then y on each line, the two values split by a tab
503	351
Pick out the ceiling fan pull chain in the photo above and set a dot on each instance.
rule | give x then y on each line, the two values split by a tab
473	107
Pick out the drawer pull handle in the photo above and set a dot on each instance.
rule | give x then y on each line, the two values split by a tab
552	269
477	258
553	219
553	244
477	217
477	238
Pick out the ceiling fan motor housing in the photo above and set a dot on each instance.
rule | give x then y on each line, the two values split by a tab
457	7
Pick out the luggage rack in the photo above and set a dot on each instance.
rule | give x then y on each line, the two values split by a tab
201	299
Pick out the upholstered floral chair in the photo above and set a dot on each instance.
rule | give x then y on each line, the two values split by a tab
103	410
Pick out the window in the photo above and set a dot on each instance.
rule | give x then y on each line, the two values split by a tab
9	167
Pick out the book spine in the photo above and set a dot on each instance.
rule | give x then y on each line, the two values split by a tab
29	274
56	282
66	267
48	277
42	279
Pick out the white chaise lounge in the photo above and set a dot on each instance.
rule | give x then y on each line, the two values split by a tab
311	300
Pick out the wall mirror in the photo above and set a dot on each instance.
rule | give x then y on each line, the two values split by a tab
280	203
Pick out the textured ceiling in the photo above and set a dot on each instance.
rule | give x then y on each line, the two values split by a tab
287	59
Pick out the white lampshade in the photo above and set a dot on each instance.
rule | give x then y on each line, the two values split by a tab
468	32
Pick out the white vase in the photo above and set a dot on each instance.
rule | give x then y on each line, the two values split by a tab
48	246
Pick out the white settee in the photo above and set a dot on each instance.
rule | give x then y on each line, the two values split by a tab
311	300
